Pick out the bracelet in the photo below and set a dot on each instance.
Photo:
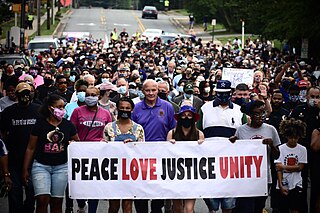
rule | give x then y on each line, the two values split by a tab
6	174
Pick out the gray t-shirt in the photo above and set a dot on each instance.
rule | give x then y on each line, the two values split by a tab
265	131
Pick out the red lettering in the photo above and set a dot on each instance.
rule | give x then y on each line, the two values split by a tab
248	162
134	169
153	162
234	171
125	176
241	167
257	162
144	168
224	167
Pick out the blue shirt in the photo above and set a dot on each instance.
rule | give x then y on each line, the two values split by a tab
156	121
69	109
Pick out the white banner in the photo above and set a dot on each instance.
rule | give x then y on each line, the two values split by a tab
237	76
156	170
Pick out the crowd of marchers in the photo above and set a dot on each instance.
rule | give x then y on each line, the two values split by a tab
133	89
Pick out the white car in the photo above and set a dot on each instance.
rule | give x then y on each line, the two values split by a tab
151	34
43	43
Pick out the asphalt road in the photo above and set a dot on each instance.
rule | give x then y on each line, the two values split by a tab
100	22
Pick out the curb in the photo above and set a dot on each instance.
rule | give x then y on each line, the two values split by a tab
61	26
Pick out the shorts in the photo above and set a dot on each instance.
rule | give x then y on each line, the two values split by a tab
292	200
49	180
225	203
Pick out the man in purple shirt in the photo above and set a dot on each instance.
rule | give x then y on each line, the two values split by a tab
156	116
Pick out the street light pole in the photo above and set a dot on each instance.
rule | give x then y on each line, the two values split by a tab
23	22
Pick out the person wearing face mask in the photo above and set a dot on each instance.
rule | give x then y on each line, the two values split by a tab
62	88
105	102
83	118
48	87
123	90
293	101
34	72
163	93
220	118
16	125
18	70
188	96
81	87
257	129
185	130
123	130
241	94
9	73
205	91
309	112
48	145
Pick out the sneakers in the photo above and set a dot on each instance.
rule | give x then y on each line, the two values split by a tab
69	210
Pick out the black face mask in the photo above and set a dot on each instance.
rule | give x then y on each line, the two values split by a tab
124	114
24	98
162	95
18	73
48	82
186	122
240	101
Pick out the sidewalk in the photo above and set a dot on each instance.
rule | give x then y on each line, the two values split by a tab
182	23
34	25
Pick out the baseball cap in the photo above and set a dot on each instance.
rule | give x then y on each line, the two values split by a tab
223	86
188	87
23	86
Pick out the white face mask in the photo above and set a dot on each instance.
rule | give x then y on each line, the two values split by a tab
312	102
207	90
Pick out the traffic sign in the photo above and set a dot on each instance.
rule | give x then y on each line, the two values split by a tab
16	8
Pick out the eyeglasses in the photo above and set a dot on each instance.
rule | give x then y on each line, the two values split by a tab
258	115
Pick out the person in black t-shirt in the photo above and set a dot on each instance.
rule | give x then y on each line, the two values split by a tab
62	88
47	88
16	124
48	145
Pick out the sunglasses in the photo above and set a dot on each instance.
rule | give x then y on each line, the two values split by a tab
63	82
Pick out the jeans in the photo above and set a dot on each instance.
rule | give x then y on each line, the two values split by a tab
15	195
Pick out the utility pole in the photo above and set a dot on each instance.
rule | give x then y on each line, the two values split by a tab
48	14
23	22
38	17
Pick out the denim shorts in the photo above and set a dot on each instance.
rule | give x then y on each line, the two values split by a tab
49	180
226	203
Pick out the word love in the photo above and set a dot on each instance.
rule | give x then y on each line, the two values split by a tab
107	169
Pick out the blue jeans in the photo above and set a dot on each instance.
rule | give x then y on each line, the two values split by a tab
15	195
49	180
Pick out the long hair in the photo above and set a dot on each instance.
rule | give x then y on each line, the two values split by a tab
193	134
48	101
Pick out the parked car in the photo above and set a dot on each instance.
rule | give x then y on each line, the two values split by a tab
152	33
14	58
42	43
150	11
